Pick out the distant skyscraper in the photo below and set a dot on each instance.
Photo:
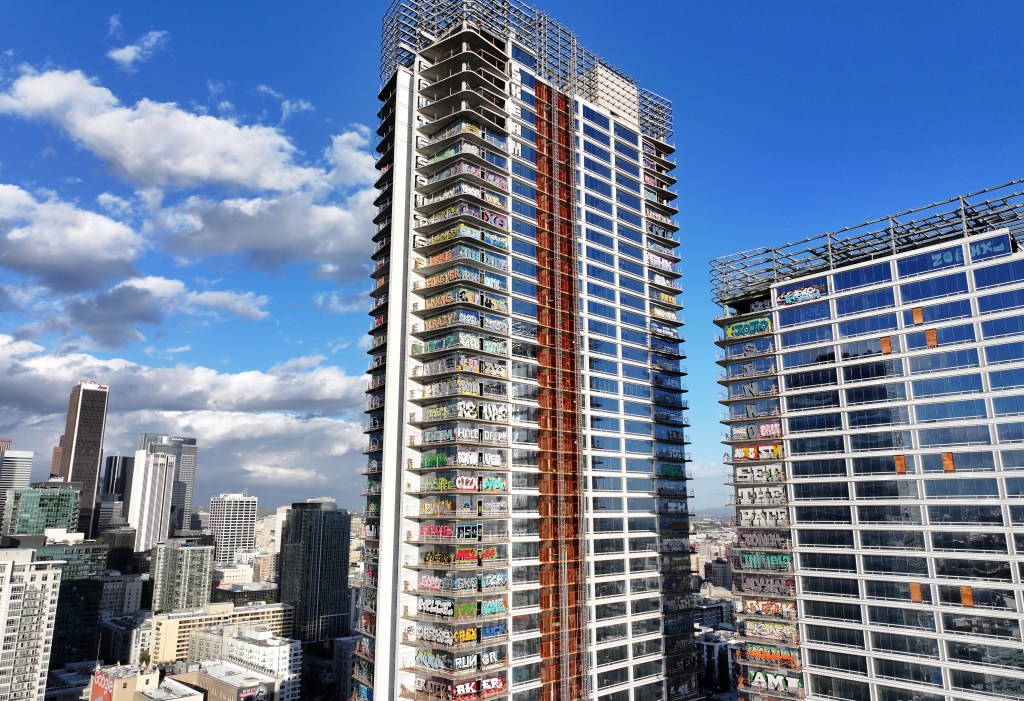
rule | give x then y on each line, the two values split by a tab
76	634
83	446
55	456
28	597
148	496
31	510
15	472
186	453
115	472
233	523
182	574
314	569
5	444
109	509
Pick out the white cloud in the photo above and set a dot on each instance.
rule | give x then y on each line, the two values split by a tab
117	206
38	382
65	247
247	305
352	164
113	25
117	316
158	144
338	303
276	230
142	50
279	433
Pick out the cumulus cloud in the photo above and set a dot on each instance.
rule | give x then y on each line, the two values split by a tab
38	382
273	231
142	50
247	305
116	316
281	433
158	144
350	158
338	303
117	206
65	247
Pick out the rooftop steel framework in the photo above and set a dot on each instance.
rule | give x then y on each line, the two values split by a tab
412	25
743	274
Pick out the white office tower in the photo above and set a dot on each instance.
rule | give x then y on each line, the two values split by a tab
527	532
186	454
255	648
28	609
233	524
15	473
148	495
874	394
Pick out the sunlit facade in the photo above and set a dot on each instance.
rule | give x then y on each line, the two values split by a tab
526	522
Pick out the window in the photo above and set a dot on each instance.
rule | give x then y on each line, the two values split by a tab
861	277
865	301
1001	301
824	539
882	416
813	400
886	440
901	617
933	287
876	393
895	564
952	257
815	422
595	150
958	309
866	348
1005	353
1008	326
832	610
1001	274
823	514
965	462
954	435
813	356
889	514
951	411
815	334
595	167
811	378
819	468
963	514
880	464
940	386
592	115
873	370
951	335
892	540
823	444
969	541
895	591
804	313
955	488
871	324
950	360
821	491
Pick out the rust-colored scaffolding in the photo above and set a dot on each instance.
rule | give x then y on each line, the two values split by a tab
562	546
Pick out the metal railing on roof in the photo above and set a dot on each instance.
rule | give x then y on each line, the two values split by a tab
412	25
745	274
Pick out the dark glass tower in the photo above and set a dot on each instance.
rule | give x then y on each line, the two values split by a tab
83	446
314	569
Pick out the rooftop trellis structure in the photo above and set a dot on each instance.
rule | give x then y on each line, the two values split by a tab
750	272
411	25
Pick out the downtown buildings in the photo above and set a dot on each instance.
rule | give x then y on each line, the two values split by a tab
873	399
526	521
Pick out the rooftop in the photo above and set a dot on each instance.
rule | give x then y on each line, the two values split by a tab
233	674
744	274
412	25
170	690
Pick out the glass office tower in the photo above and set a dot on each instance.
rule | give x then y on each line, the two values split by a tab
526	519
873	390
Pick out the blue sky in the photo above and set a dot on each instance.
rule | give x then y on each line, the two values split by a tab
184	194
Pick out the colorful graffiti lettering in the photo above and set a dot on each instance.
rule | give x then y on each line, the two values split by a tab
748	328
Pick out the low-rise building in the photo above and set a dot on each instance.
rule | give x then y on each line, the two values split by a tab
255	648
125	638
122	593
247	593
227	681
173	631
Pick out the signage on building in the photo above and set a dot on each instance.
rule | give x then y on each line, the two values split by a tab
803	293
753	327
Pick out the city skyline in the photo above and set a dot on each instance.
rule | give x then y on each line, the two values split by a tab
783	131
